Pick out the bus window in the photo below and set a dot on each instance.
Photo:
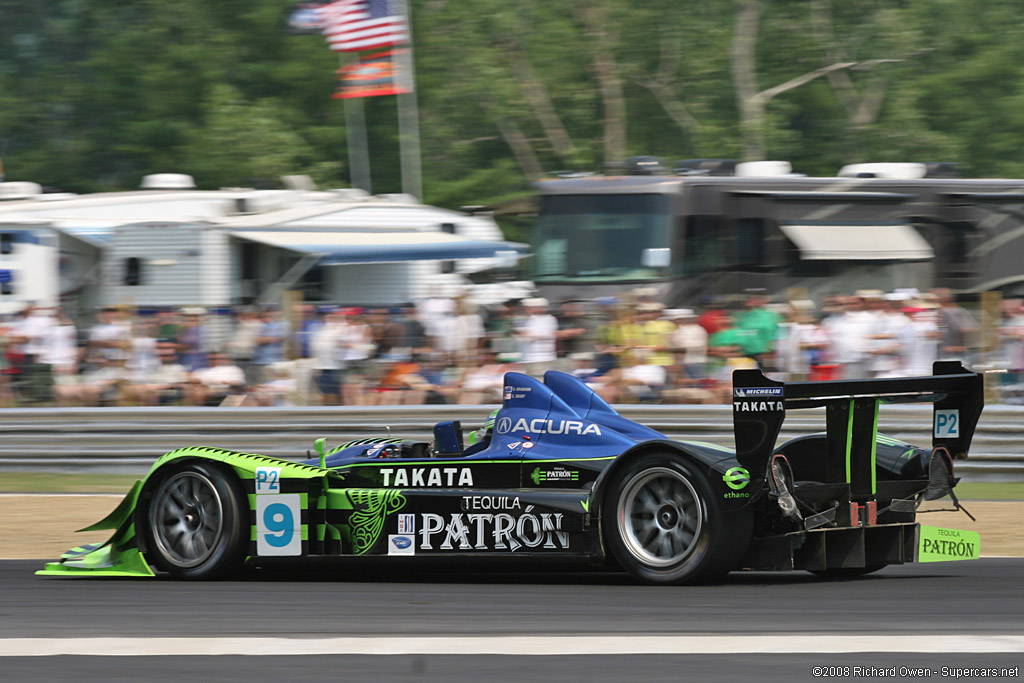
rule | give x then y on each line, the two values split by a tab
750	241
704	246
599	237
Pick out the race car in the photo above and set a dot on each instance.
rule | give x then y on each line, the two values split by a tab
558	473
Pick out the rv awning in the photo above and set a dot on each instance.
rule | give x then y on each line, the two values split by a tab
858	242
336	248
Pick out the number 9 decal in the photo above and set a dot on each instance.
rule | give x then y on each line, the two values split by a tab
279	520
278	525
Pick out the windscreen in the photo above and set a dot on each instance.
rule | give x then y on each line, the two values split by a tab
599	237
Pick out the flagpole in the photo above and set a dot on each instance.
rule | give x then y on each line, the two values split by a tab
358	149
409	118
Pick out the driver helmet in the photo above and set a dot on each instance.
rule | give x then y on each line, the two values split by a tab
483	434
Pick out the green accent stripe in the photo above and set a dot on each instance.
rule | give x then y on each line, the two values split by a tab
419	463
849	439
874	448
708	444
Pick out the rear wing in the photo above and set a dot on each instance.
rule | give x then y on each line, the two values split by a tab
851	417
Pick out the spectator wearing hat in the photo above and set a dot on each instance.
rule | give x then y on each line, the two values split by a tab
1011	335
725	348
760	327
142	357
280	389
484	381
689	341
537	334
358	347
328	352
62	355
467	333
165	384
712	316
884	346
168	323
575	329
110	336
500	329
414	340
957	326
242	344
270	344
436	312
192	338
651	335
919	339
642	380
305	322
848	333
104	382
803	342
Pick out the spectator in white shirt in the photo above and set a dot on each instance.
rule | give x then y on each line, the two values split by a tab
885	339
62	356
32	331
110	337
165	384
919	340
211	385
689	341
536	334
328	357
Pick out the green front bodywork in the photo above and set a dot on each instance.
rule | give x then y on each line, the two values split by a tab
121	555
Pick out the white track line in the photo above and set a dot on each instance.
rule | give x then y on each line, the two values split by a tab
60	494
792	643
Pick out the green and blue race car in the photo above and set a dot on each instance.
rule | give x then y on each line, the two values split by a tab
558	473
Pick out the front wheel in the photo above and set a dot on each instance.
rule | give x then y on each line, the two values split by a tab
194	522
664	525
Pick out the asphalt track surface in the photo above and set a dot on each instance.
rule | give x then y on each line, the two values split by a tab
955	615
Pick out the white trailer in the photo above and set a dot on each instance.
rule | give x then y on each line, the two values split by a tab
168	245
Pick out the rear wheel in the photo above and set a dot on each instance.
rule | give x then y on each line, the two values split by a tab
194	522
664	526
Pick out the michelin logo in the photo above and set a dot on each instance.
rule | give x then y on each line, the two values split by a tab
757	392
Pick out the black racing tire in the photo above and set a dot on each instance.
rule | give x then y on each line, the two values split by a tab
194	519
846	572
664	525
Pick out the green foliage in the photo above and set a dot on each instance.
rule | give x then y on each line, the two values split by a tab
95	94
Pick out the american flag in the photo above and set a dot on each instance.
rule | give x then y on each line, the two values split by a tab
351	25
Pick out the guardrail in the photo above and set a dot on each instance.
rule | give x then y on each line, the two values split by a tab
130	439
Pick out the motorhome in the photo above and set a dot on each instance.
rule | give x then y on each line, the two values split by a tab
169	244
717	227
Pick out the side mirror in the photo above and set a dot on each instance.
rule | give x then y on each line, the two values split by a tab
448	438
656	258
321	448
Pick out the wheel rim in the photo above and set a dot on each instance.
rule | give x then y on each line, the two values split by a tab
660	517
187	519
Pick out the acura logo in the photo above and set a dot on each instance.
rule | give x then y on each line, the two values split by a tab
504	425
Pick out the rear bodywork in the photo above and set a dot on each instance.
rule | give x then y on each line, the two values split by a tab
536	488
849	496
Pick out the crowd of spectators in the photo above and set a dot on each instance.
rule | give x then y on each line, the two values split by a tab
630	349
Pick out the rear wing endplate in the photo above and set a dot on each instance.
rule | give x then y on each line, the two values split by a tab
851	417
